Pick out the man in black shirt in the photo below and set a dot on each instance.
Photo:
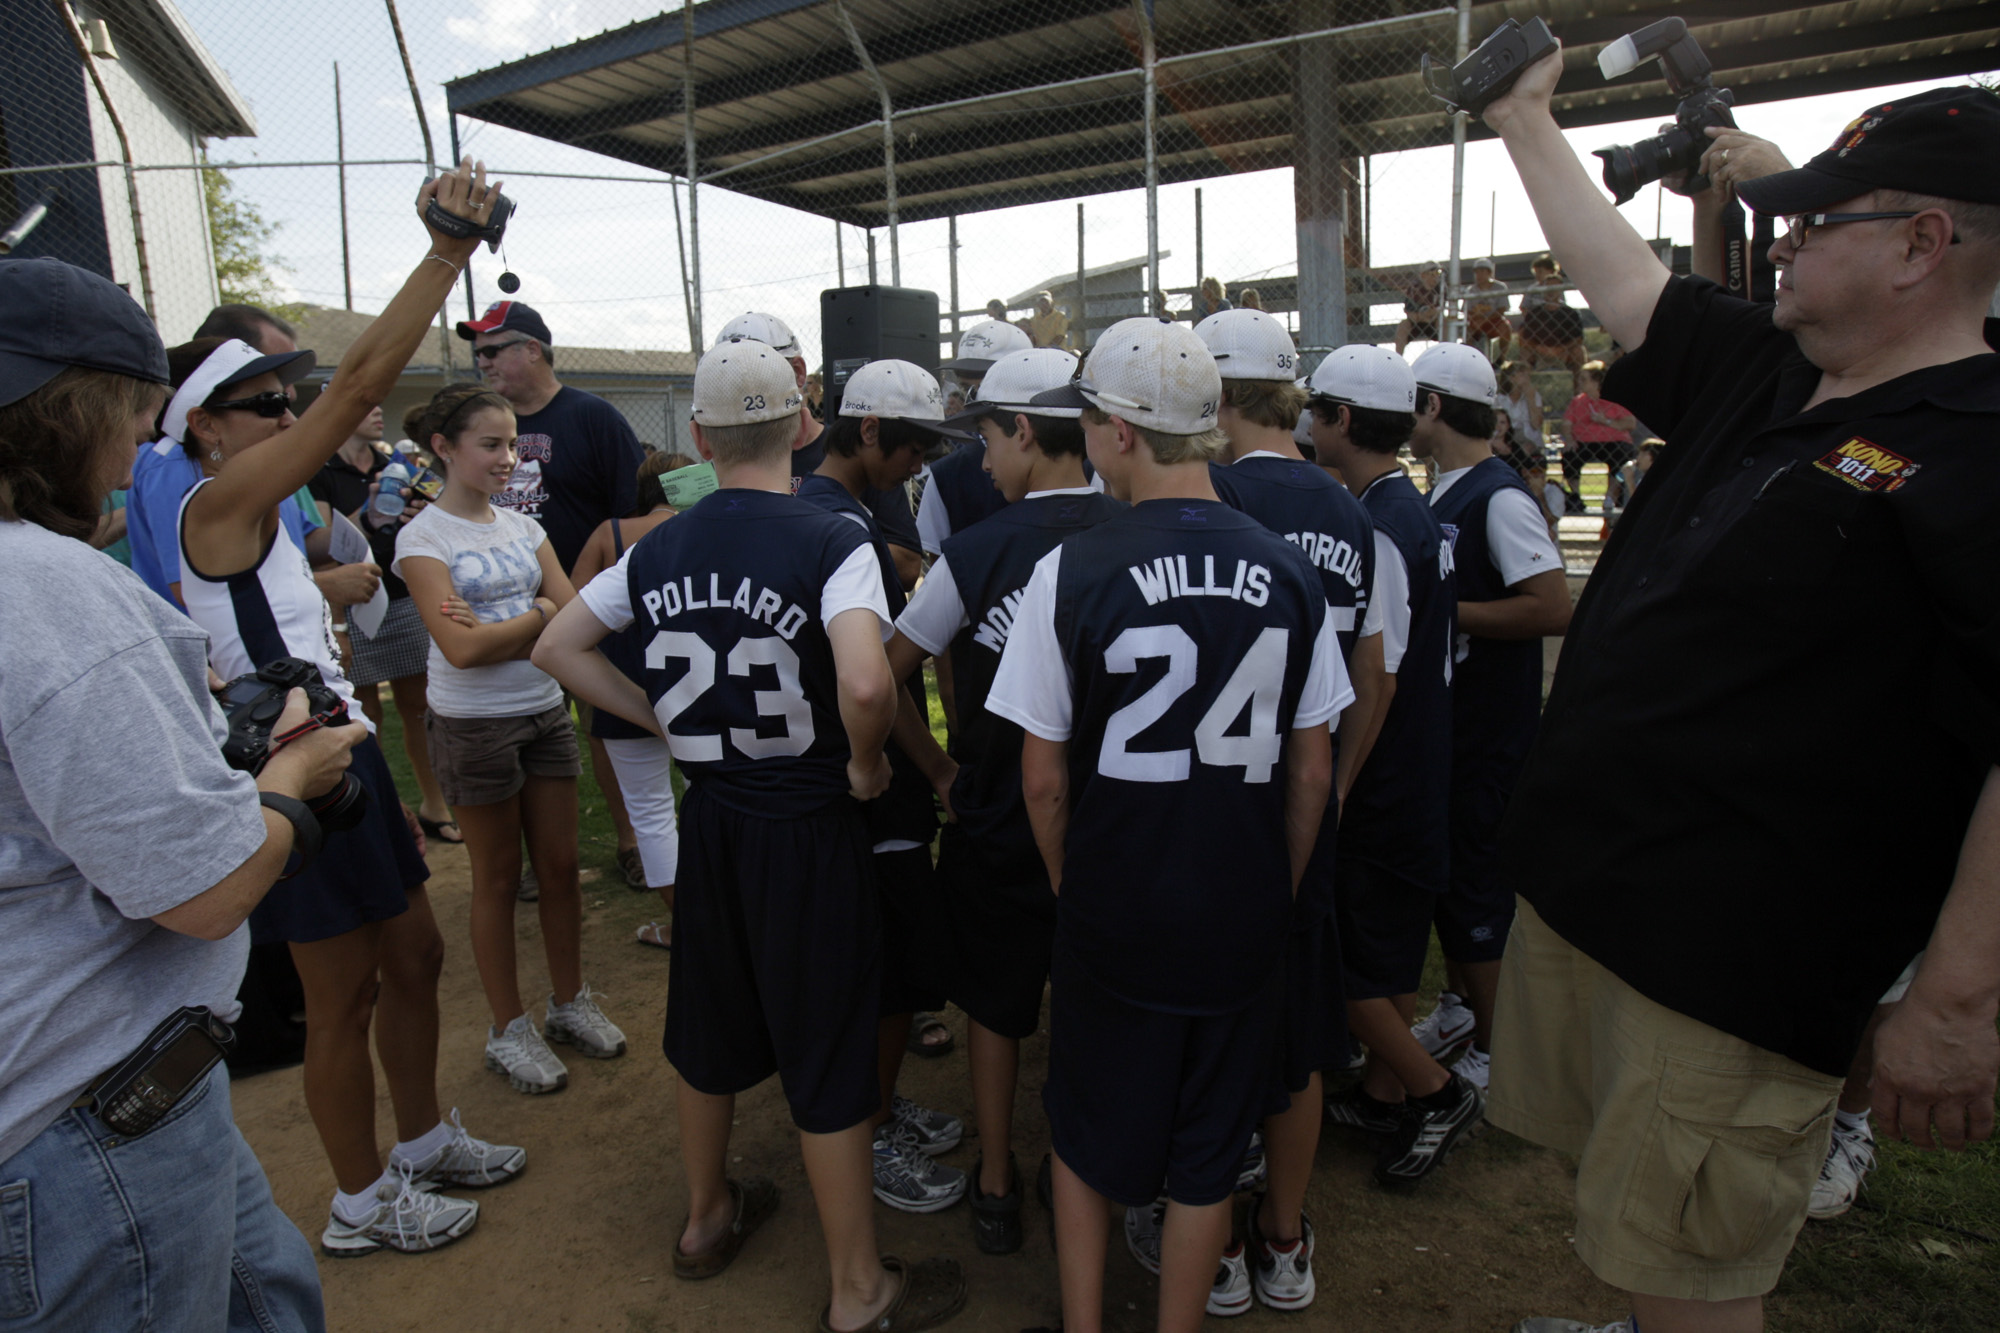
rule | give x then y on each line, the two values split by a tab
1789	645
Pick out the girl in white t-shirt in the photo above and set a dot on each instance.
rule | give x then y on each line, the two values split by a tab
502	745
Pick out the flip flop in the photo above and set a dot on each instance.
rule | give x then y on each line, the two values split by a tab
756	1199
657	934
933	1291
633	869
435	828
929	1050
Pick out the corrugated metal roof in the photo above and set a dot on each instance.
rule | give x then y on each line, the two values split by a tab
157	34
784	110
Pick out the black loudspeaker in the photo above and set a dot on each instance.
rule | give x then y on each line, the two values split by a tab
862	324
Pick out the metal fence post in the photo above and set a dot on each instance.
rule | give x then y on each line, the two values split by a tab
124	149
951	251
693	276
888	139
1453	314
340	154
1149	58
1081	321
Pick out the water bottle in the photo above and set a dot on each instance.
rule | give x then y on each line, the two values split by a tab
389	500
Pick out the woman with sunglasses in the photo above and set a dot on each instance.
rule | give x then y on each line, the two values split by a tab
486	581
357	919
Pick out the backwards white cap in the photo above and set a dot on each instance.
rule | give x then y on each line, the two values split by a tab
741	382
1456	371
1362	375
1249	345
759	327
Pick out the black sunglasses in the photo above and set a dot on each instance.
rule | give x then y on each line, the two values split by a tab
270	405
492	350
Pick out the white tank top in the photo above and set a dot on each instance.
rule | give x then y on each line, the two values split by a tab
271	610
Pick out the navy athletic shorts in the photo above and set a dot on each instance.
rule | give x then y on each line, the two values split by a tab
1476	912
1385	929
777	959
914	941
1003	929
1312	1028
362	875
1136	1096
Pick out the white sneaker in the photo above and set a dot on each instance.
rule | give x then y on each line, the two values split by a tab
909	1181
1477	1067
1142	1233
934	1132
1230	1296
407	1217
464	1161
1446	1027
526	1060
1281	1275
581	1024
1849	1159
1255	1170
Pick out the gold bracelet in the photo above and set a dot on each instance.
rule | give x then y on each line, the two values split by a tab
455	268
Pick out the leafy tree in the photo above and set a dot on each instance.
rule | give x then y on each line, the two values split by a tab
245	271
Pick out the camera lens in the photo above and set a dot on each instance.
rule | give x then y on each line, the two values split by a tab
1629	166
342	806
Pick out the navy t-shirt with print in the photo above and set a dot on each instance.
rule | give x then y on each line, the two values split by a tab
578	464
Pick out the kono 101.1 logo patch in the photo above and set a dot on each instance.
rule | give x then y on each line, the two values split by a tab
1867	466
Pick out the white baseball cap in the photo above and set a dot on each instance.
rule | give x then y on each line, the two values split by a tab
1017	378
1151	372
1249	345
986	342
1362	375
1456	371
758	327
897	391
742	382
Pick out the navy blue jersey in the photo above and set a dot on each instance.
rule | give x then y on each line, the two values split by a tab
737	663
890	509
1496	687
1315	513
1396	813
960	482
907	812
626	651
1189	630
990	564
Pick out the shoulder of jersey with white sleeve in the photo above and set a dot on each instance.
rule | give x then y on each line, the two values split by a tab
936	612
1328	689
856	585
1516	537
609	595
1390	601
1033	687
933	523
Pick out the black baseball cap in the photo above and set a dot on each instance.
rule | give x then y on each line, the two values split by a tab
518	316
59	316
1933	143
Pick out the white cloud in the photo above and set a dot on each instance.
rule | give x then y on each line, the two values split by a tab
514	28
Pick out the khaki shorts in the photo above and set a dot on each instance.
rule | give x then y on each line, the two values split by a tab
484	760
1698	1150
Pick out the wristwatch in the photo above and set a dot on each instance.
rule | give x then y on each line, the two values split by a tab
307	835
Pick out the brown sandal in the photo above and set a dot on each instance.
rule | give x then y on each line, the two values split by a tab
756	1199
933	1291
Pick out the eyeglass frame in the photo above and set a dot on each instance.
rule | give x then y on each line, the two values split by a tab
491	351
1798	226
259	403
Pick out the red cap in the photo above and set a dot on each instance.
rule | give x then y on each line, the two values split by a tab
500	315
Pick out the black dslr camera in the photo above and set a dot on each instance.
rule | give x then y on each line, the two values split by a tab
252	704
1629	166
1487	73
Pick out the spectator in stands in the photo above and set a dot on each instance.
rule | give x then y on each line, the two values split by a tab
1550	330
1624	480
1251	299
1600	431
1702	964
1212	297
1048	326
815	387
996	309
1486	312
1521	401
397	650
1420	307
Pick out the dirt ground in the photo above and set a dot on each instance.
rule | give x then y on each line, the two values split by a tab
580	1241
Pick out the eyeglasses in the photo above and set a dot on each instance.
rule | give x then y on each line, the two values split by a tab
270	405
1799	225
492	350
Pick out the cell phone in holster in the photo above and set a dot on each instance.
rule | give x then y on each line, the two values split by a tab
137	1092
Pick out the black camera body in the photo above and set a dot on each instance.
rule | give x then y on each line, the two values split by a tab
1487	73
461	229
1629	166
253	704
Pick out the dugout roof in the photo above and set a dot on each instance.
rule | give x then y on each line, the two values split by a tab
780	76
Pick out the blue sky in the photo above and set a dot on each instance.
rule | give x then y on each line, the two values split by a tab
599	258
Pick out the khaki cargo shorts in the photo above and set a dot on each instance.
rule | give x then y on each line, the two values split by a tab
1698	1151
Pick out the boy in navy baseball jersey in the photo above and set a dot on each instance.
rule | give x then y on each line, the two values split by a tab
891	416
1271	481
1511	592
763	620
1174	670
993	883
1392	860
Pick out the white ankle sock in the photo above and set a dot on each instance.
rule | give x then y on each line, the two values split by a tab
354	1209
421	1151
1851	1120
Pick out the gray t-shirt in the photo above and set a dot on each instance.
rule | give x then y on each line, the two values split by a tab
115	805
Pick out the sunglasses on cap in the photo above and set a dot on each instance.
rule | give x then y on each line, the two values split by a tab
492	350
270	405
